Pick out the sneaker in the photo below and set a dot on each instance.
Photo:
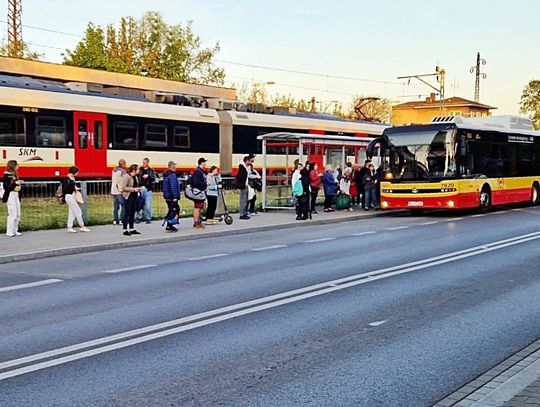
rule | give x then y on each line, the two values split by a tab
71	230
18	234
115	222
171	229
245	217
148	222
314	212
134	232
11	235
84	229
127	233
198	226
254	214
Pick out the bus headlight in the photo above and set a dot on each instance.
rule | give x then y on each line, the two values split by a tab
451	204
384	204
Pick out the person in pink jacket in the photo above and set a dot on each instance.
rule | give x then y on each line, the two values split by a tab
314	184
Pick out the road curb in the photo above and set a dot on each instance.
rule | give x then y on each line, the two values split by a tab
43	254
473	393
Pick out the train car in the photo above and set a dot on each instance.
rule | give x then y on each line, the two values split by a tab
93	131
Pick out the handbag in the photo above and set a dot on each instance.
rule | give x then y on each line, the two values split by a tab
139	206
194	194
79	197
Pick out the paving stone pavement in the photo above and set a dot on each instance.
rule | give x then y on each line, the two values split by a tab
513	383
528	397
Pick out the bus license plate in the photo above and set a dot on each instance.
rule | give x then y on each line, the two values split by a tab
416	204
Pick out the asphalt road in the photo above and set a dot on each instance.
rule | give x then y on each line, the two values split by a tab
394	311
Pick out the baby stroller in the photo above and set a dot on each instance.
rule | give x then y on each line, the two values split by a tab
225	216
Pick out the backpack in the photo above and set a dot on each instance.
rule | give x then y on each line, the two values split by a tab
59	195
298	189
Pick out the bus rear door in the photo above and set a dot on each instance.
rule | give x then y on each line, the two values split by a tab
90	143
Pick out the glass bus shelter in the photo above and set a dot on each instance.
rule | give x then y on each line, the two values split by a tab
281	149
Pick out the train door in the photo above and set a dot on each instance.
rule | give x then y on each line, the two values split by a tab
90	136
316	155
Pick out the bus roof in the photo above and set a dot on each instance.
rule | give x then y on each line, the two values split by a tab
500	124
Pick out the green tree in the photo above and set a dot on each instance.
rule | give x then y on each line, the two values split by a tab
91	51
530	102
149	47
370	108
14	52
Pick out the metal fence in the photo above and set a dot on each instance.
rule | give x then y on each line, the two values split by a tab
41	210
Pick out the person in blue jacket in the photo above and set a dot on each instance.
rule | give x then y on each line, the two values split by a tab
330	188
171	194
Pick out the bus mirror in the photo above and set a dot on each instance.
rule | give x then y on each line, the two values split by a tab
462	145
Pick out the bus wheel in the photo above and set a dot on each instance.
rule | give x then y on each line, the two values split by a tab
535	195
485	200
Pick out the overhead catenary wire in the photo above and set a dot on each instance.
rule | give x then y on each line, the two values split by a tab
236	63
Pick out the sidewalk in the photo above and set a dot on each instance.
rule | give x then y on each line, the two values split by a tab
50	243
512	383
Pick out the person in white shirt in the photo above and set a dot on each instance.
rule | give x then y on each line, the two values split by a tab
118	199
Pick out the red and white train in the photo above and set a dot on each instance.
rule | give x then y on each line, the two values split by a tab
92	131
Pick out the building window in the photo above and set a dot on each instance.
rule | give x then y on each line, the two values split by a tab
125	135
50	131
155	135
12	130
181	137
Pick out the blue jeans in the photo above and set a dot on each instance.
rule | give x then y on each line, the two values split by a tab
147	195
119	203
371	198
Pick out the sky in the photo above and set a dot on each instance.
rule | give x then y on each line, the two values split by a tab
372	41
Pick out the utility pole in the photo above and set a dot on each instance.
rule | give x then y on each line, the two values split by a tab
15	43
476	71
440	75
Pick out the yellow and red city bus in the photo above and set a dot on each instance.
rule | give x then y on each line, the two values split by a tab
456	163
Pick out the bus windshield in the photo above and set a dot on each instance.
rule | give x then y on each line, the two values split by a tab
423	155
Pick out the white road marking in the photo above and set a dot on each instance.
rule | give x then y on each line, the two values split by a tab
454	219
132	268
370	232
210	256
434	222
398	228
498	213
126	339
30	285
277	246
323	239
378	323
479	215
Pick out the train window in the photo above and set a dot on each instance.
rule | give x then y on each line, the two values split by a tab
155	135
83	133
181	137
50	131
12	130
98	130
125	135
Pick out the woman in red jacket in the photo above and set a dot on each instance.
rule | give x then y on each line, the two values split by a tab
315	185
353	189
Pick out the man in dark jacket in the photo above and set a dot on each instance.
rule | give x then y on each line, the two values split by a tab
370	187
359	179
198	181
147	179
171	194
241	182
303	200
